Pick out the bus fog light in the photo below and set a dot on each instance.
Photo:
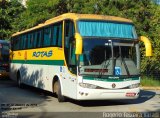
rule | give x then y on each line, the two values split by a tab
86	94
134	86
81	93
86	85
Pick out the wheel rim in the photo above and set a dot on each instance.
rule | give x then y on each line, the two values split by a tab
56	87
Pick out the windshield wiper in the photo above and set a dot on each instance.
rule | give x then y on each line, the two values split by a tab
105	65
123	61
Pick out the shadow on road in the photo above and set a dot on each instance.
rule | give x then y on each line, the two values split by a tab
6	83
18	99
38	91
4	79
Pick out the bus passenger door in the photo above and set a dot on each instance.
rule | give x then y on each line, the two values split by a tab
70	57
69	46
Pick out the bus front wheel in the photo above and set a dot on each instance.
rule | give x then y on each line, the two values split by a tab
57	89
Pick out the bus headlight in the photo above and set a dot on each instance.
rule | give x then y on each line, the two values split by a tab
86	85
134	86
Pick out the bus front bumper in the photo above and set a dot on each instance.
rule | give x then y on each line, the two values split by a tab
103	94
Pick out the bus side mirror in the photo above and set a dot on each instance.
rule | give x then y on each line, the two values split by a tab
147	44
79	44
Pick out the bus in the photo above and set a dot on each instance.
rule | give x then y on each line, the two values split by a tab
80	56
4	58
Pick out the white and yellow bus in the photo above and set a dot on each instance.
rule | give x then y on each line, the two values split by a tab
80	56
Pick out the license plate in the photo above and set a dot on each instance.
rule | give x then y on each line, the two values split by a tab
130	94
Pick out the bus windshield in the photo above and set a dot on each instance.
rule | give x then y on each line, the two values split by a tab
104	55
109	48
4	52
88	28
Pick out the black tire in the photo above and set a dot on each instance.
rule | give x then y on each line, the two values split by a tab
19	83
61	98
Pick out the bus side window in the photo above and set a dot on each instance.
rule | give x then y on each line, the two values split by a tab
47	36
30	40
26	41
16	43
57	35
38	38
20	42
53	41
23	40
35	40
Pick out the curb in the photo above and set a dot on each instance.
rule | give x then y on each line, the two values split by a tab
149	88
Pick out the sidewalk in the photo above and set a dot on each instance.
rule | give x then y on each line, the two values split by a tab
150	88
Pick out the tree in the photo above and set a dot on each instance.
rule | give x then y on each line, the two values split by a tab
39	11
5	25
9	11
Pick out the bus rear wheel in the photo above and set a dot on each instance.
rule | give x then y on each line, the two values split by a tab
19	81
57	90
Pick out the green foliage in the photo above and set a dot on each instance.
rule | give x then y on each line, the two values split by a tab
5	25
39	11
9	11
149	81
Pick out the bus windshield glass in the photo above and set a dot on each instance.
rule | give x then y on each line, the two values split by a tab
104	55
88	28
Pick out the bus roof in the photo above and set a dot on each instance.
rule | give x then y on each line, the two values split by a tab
75	16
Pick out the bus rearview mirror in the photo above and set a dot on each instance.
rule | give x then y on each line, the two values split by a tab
79	44
148	46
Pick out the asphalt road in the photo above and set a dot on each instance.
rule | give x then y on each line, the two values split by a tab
32	102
